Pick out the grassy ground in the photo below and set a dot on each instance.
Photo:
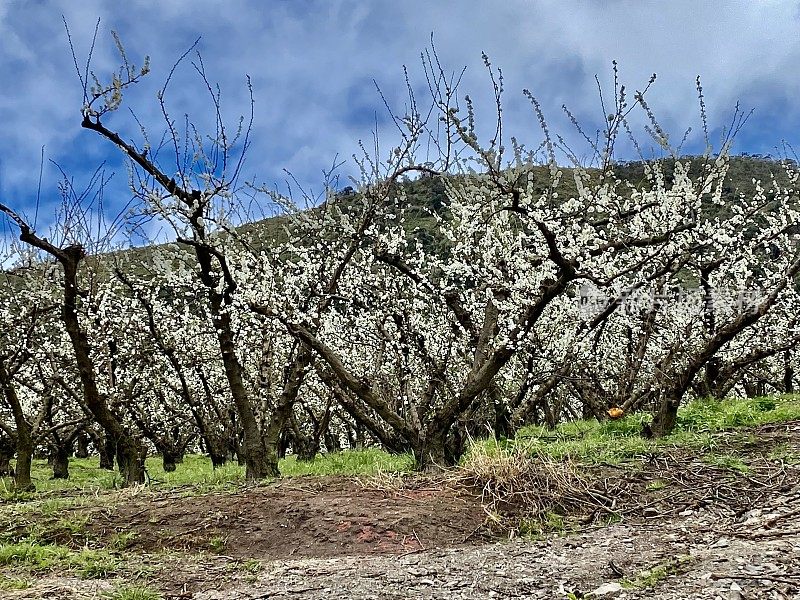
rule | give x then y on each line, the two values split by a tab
41	532
612	442
45	532
586	441
87	477
532	483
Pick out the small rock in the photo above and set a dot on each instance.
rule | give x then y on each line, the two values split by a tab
752	569
735	592
611	588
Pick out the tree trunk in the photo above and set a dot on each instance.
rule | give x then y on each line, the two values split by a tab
332	442
502	414
215	448
127	455
430	455
61	462
260	463
24	436
788	373
305	448
82	446
6	454
169	460
360	436
22	478
131	462
106	451
665	419
130	466
5	465
284	406
283	444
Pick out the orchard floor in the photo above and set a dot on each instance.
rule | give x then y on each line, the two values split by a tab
685	527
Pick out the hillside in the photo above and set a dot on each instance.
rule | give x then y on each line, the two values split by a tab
427	194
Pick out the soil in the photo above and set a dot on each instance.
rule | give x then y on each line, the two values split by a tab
687	528
301	517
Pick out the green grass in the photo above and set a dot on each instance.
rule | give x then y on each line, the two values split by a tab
728	461
614	442
250	566
132	592
657	484
654	576
590	441
217	544
32	555
715	415
506	466
13	583
121	540
785	453
86	477
36	558
536	529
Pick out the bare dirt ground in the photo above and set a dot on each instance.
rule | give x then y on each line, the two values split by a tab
306	517
688	528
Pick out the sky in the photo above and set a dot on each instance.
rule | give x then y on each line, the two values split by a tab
315	64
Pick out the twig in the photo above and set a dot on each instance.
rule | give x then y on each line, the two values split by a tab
421	545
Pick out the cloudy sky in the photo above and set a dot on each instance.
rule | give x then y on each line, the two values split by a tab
312	64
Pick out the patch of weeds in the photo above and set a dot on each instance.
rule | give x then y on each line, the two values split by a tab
650	578
611	442
610	518
68	527
783	452
9	494
35	557
658	484
728	461
746	439
132	592
530	529
716	415
13	583
251	566
618	441
537	528
196	471
217	544
94	564
64	530
553	522
121	540
703	441
36	533
53	507
89	564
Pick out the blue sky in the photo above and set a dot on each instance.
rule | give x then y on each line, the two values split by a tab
312	65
